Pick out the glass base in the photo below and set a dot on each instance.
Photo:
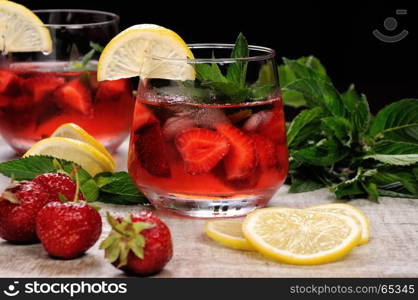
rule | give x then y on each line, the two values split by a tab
198	206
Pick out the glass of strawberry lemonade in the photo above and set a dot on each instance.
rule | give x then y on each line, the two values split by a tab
39	91
212	144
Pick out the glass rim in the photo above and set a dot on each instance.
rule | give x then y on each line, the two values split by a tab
267	53
114	17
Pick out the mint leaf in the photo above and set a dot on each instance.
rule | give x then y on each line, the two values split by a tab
350	99
348	189
266	75
302	71
357	108
237	71
396	179
338	127
324	153
287	75
227	92
395	159
393	147
371	190
27	168
85	61
90	190
389	193
355	185
290	98
86	58
312	62
259	93
300	123
118	188
397	121
210	73
293	99
303	181
96	47
319	93
361	117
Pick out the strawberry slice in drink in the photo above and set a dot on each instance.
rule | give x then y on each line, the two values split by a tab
142	116
151	151
269	124
273	127
202	149
39	87
9	83
266	151
241	159
112	89
75	96
5	101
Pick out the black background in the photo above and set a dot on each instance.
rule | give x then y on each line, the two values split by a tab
340	34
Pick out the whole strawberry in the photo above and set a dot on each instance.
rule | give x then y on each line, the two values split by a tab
139	244
68	229
56	184
19	205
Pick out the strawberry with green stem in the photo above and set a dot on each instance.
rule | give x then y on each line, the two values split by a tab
138	244
68	229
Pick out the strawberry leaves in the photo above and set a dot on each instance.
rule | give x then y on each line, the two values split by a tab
117	188
125	237
336	142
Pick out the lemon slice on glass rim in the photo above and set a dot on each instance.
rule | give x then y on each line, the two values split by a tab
83	154
21	30
148	51
297	236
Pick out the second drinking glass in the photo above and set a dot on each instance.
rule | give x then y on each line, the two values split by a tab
46	90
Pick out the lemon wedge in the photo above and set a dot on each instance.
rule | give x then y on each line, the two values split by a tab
227	232
83	154
21	30
73	131
351	211
299	236
134	52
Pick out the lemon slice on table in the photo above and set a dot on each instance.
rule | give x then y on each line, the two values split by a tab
21	30
83	154
299	236
227	232
129	54
348	210
73	131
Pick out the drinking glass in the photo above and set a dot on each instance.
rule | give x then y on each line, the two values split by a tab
42	91
205	148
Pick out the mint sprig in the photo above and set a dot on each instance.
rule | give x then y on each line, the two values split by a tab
84	63
336	142
117	188
231	87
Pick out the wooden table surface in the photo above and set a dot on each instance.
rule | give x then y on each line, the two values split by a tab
392	251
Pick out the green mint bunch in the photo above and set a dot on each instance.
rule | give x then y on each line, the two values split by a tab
337	143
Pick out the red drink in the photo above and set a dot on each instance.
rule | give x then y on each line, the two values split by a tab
211	157
36	98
